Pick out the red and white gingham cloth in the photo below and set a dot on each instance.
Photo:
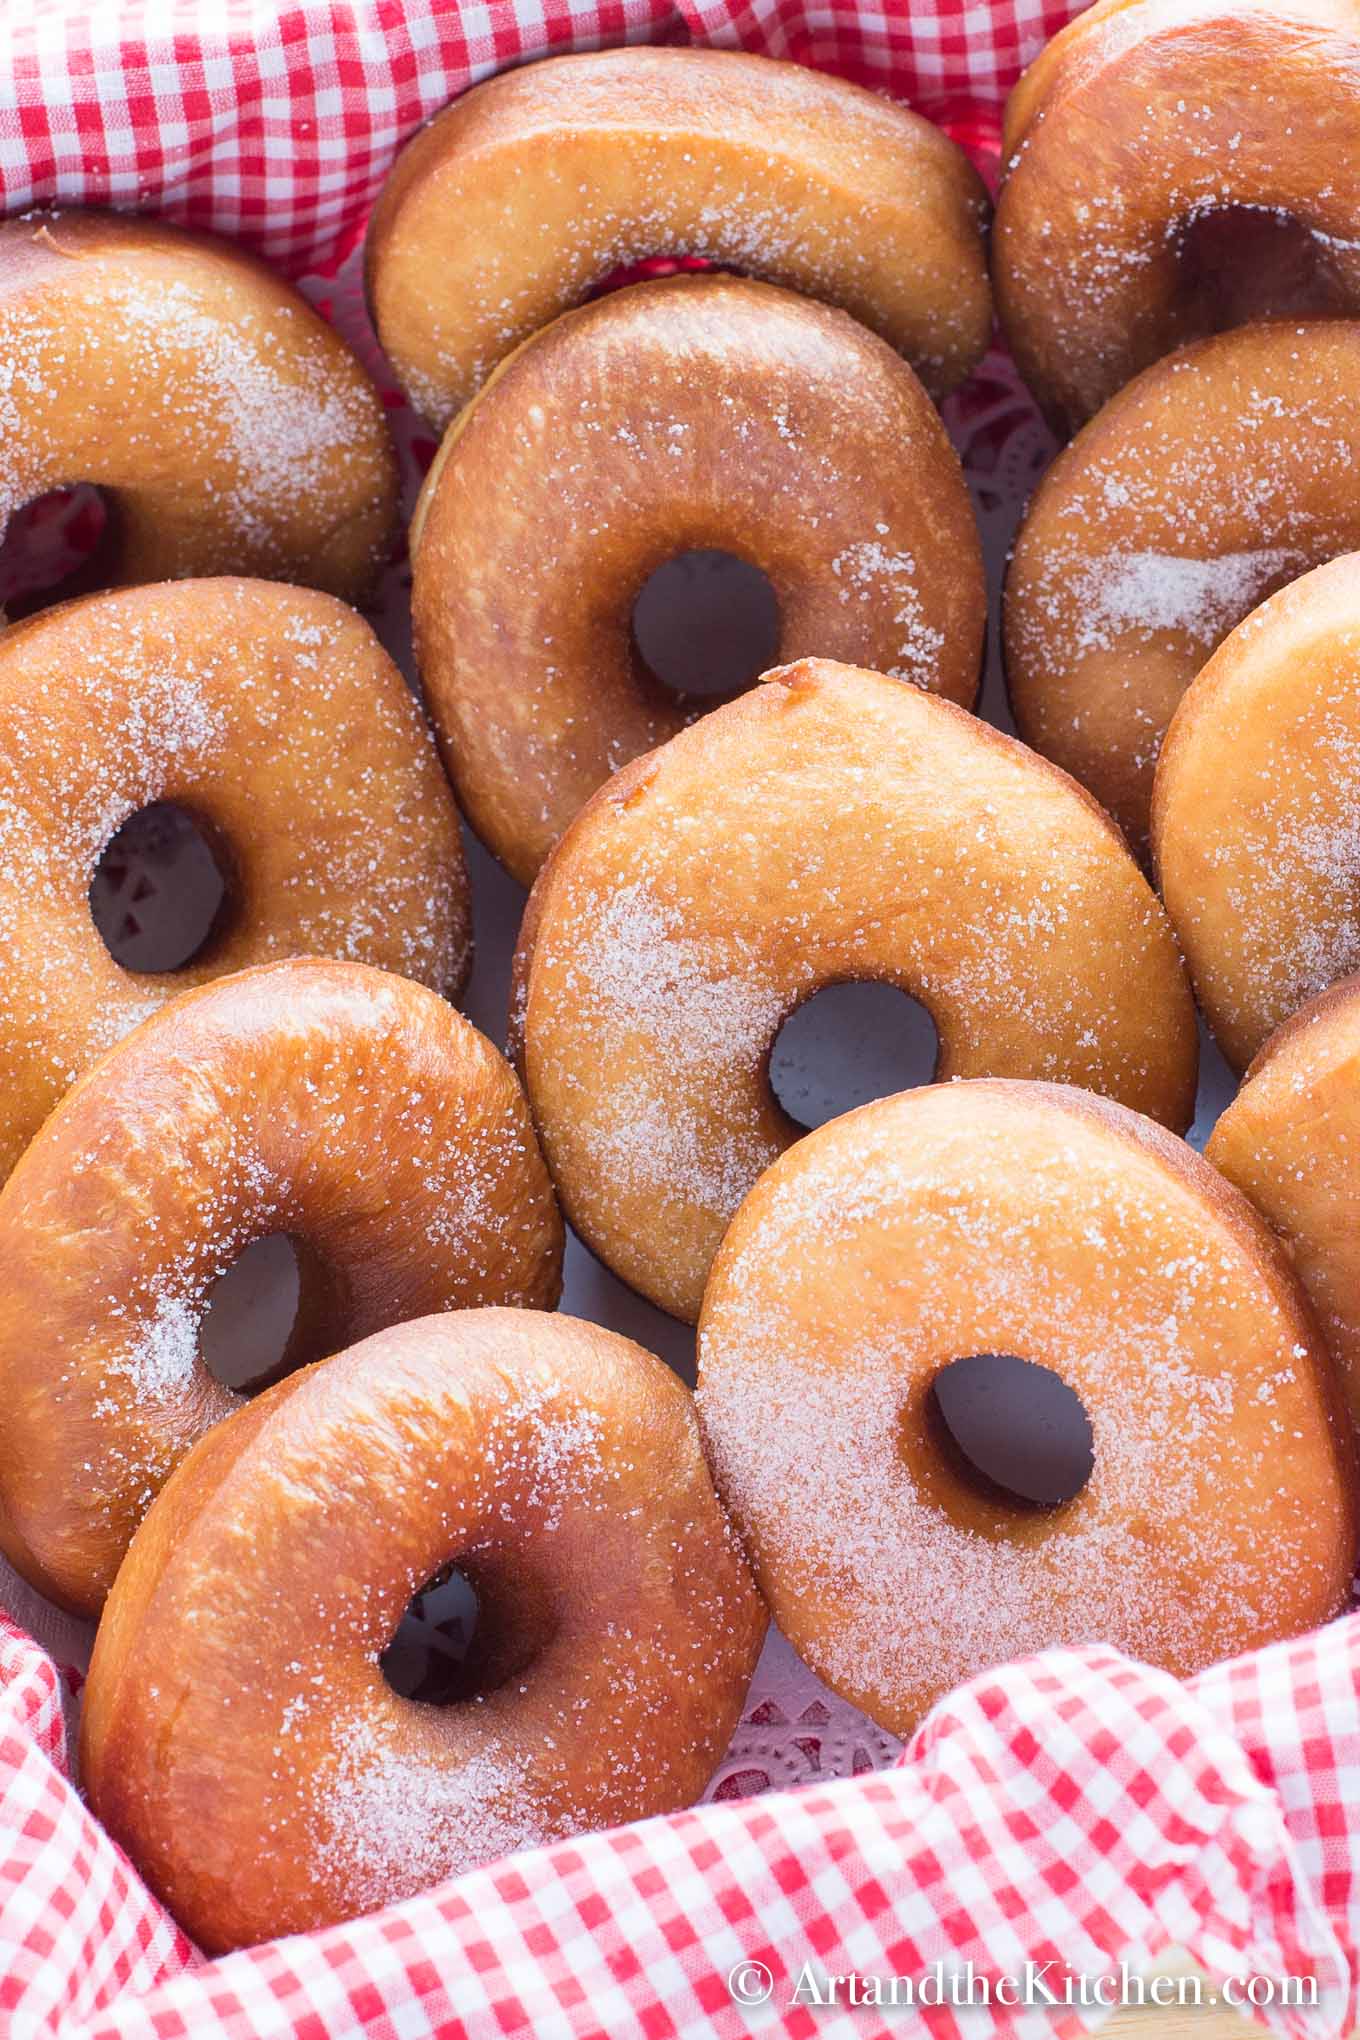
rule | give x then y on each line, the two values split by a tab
1077	1810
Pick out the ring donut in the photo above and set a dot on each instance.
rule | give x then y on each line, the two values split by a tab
527	192
1175	167
559	1466
352	1110
698	412
229	427
1291	1141
1207	483
830	825
1038	1222
1254	813
273	717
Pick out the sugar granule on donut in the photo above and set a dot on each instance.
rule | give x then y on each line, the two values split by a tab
273	718
558	1467
831	825
1037	1221
354	1112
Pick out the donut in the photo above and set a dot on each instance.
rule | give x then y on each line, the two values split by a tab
1210	481
830	825
353	1111
559	1467
1291	1141
1256	810
270	715
538	185
700	411
1035	1221
1173	168
230	429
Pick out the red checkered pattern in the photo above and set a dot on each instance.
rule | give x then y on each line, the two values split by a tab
1075	1812
276	124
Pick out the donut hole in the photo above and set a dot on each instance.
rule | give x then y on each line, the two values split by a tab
848	1044
159	892
706	624
649	269
53	546
277	1307
1238	263
475	1625
1011	1431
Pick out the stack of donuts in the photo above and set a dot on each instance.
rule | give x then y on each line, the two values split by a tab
1180	826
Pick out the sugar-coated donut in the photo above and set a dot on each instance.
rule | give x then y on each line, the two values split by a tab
352	1110
1142	144
539	184
694	412
231	429
830	825
1213	479
1291	1140
238	1737
1041	1222
1256	810
274	718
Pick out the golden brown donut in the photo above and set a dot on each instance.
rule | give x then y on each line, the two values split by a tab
1291	1141
1213	479
539	184
1175	167
701	411
1256	810
830	825
230	428
1036	1221
275	719
350	1109
238	1737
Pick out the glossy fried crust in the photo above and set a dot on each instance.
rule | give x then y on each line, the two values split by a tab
1253	812
238	1736
691	413
352	1110
231	429
832	824
537	185
1215	477
1044	1223
1291	1141
1139	120
275	719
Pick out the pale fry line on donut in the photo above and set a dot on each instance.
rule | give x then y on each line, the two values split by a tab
237	1715
1038	1221
232	429
521	197
273	716
695	412
834	824
346	1107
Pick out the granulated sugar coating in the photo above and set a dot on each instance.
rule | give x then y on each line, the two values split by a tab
273	717
1044	1223
1257	810
1216	477
233	429
705	410
559	1467
348	1108
831	825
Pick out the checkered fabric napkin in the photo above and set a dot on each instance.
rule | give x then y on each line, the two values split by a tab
1074	1811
